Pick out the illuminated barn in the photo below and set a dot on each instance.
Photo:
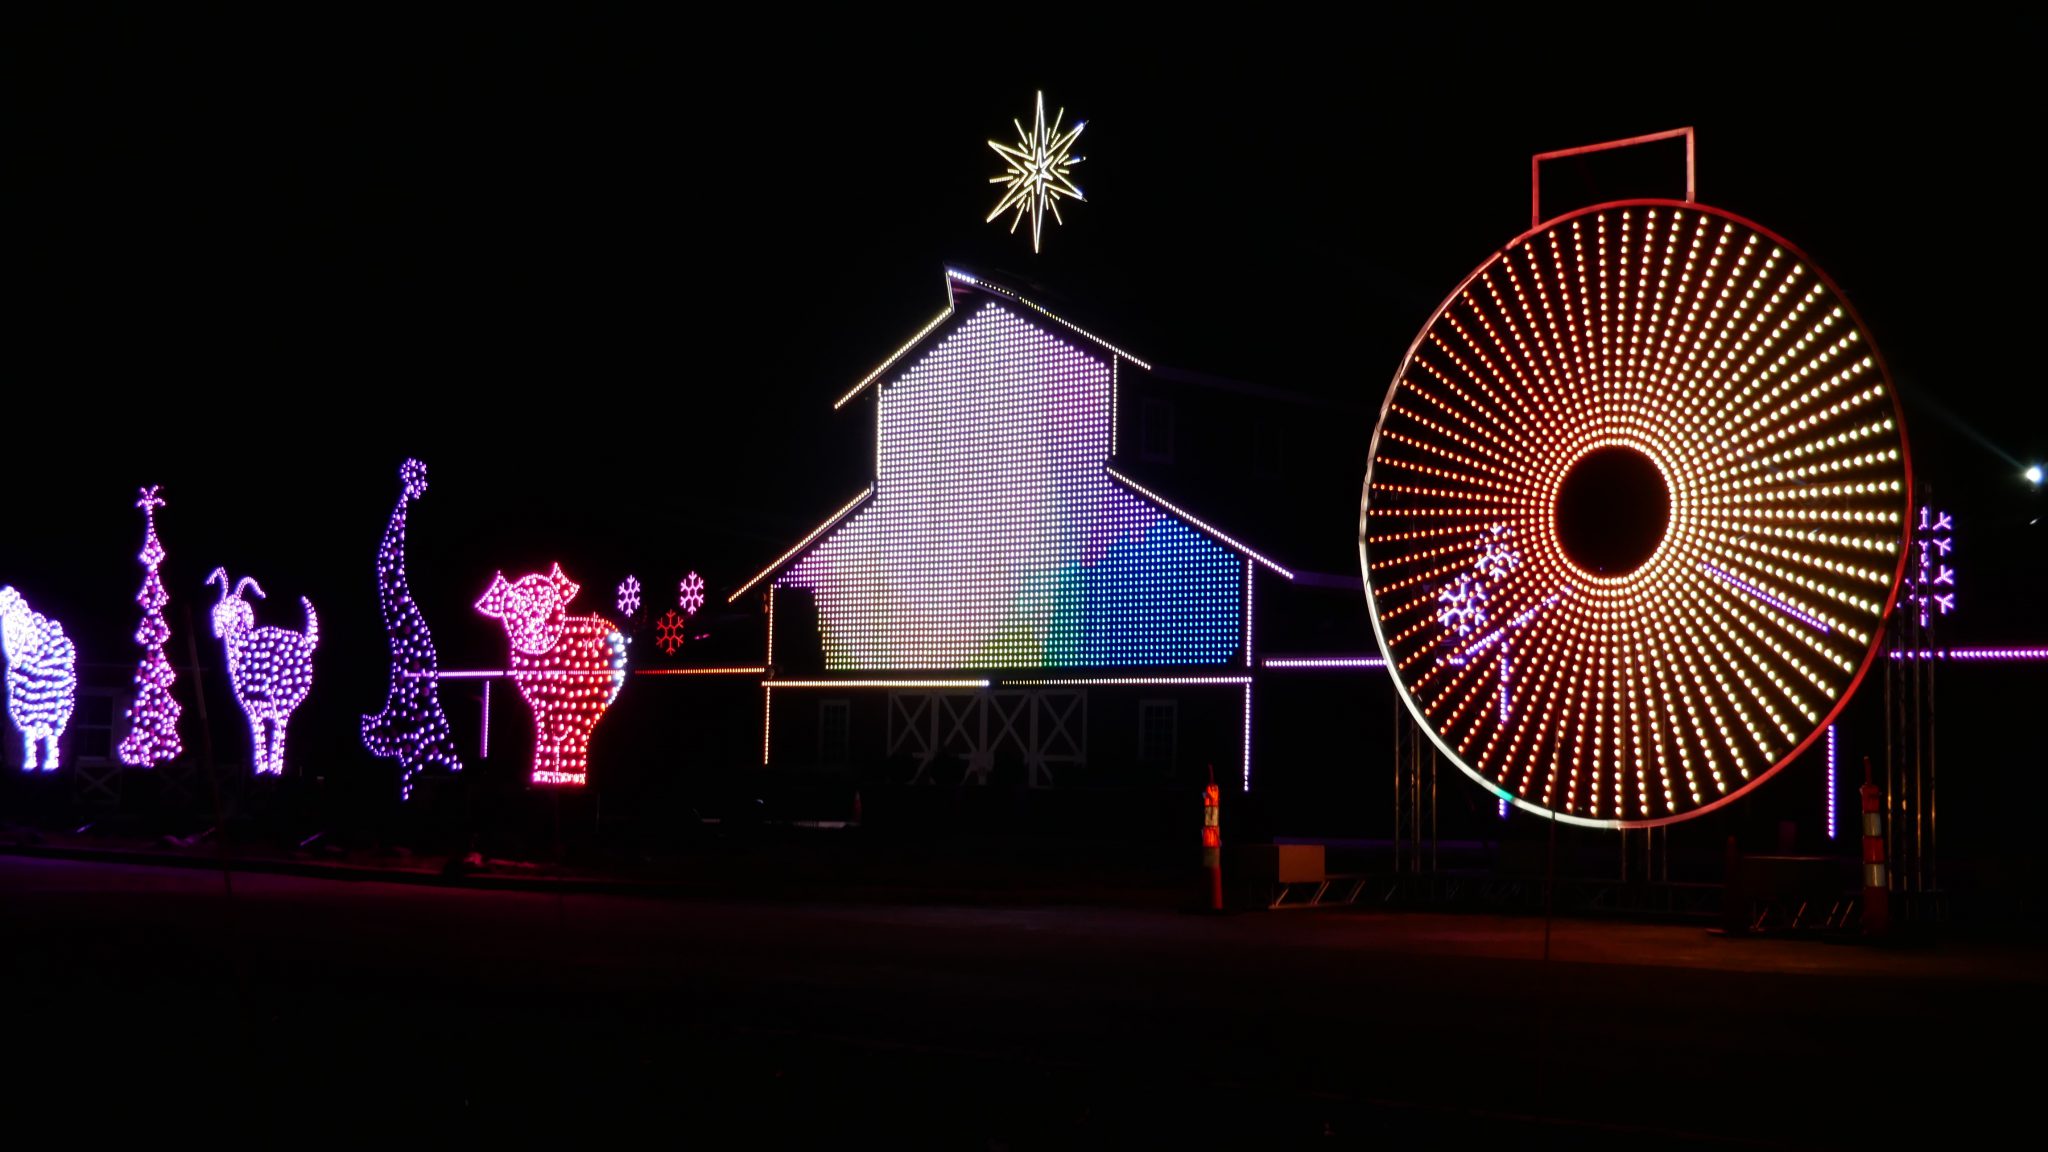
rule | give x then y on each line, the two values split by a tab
1005	600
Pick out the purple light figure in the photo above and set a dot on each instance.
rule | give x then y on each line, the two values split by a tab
1464	604
1934	536
412	728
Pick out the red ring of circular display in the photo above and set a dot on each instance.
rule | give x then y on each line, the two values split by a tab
1719	351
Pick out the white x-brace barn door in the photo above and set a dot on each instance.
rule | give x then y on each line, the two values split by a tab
1045	728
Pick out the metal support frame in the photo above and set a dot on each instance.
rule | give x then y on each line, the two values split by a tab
1536	164
1415	760
1910	811
1331	890
1646	854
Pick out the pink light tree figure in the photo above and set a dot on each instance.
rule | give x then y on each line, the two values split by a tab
569	668
153	717
271	668
411	729
42	678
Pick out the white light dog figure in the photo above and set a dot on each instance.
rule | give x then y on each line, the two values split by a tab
42	678
271	668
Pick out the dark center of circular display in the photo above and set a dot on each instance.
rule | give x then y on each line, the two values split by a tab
1612	511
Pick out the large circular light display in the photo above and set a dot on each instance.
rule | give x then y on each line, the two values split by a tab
1634	513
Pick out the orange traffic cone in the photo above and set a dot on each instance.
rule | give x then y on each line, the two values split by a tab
1212	841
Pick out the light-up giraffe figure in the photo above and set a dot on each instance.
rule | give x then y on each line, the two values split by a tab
412	728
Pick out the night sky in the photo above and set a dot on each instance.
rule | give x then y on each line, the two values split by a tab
606	280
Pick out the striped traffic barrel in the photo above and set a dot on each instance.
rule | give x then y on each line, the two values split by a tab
1877	918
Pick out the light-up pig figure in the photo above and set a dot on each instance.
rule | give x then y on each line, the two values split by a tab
568	668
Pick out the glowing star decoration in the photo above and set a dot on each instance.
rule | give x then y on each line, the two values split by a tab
1040	171
629	596
669	632
569	668
1932	583
1709	357
996	537
270	668
692	592
153	716
42	678
411	729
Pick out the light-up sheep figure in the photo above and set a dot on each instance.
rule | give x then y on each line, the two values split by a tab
42	678
411	729
569	668
271	668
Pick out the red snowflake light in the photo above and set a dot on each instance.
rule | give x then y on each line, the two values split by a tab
668	632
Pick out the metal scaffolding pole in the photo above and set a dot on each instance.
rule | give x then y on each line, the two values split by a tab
1910	774
1415	795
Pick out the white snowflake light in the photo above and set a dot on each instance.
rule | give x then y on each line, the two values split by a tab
692	594
629	596
42	678
1040	171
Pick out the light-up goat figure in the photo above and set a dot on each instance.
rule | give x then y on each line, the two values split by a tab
42	678
568	668
271	668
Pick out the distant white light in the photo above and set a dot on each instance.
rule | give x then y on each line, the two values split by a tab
2034	475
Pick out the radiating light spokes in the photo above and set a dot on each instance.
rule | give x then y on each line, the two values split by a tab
1710	348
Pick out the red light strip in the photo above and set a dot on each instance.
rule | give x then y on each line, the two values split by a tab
1536	164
